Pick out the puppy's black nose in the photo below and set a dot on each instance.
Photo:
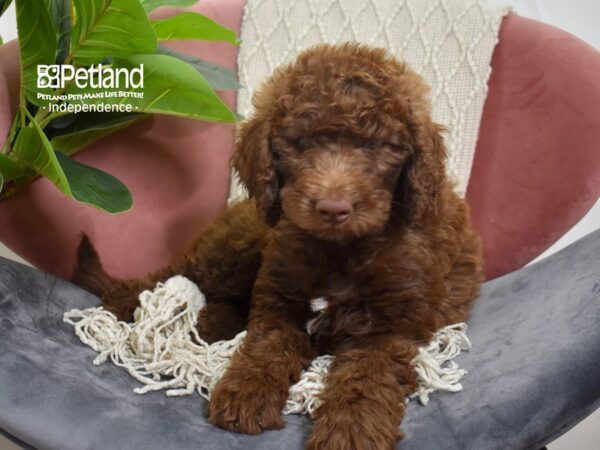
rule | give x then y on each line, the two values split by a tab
334	211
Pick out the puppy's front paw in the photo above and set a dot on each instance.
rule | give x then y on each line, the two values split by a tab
219	321
247	403
358	426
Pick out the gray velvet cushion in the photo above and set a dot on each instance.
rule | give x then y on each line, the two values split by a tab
533	371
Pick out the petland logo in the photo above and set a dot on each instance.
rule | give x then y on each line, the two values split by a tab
57	76
102	89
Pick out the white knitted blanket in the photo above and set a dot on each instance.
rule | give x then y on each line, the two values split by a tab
449	42
163	351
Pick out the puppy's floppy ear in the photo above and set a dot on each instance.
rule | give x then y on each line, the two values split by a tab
253	160
419	185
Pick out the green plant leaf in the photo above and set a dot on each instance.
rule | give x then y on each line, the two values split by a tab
151	5
90	127
75	123
83	183
32	149
72	143
60	13
110	27
219	77
37	42
95	187
9	169
60	123
4	4
192	25
170	87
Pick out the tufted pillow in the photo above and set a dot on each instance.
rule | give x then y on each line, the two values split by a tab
450	44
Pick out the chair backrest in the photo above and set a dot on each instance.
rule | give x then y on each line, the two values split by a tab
536	168
537	165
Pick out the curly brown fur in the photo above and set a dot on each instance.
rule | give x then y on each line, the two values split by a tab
223	261
349	201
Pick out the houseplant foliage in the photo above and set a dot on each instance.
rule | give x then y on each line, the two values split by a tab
118	34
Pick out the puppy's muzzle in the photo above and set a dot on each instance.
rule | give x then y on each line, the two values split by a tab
334	212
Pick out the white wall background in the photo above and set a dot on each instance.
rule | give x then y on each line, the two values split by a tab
8	24
579	17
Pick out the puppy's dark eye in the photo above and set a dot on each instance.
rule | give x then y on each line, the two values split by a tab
373	145
302	143
398	146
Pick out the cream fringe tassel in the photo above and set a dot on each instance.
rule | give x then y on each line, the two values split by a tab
162	350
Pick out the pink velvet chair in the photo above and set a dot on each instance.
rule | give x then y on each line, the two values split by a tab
536	170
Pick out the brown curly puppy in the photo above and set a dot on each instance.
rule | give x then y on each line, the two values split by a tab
350	202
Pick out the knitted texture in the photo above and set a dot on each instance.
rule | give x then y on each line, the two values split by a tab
449	42
163	351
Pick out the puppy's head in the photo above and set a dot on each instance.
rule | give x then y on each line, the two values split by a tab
342	143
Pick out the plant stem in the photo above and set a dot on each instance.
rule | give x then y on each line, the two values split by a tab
41	114
45	121
11	134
